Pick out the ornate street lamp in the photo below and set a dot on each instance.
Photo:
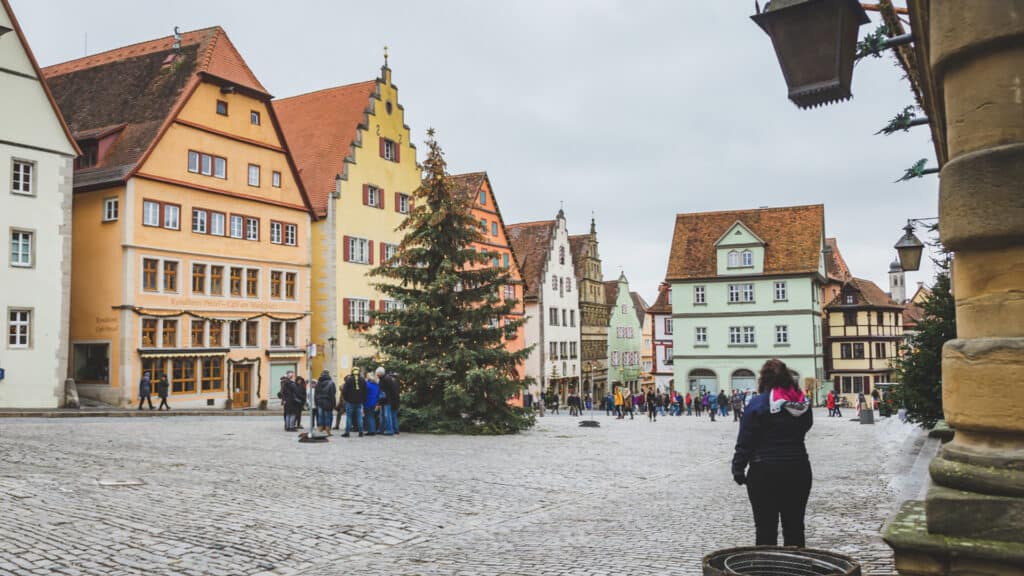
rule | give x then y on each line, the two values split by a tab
909	248
815	42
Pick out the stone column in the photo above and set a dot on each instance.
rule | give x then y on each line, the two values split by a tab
974	512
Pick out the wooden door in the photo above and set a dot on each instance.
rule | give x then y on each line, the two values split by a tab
241	387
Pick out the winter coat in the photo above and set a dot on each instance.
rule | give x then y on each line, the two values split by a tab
689	399
723	400
323	394
831	401
162	387
299	394
372	395
389	389
618	398
771	437
145	387
353	391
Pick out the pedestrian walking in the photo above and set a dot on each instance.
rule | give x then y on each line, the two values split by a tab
737	406
617	399
830	401
652	406
324	400
712	406
588	402
353	392
301	393
145	389
609	404
771	443
554	403
163	388
527	399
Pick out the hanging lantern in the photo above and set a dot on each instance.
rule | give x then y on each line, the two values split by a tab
909	248
815	42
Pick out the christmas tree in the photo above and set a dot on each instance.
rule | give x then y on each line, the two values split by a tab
445	337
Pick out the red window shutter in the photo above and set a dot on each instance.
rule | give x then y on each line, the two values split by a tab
381	146
366	194
398	152
380	198
396	201
371	252
348	255
346	318
372	308
382	256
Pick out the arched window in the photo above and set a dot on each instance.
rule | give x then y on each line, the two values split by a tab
561	254
748	258
734	259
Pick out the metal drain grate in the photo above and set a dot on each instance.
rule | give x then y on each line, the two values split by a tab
774	561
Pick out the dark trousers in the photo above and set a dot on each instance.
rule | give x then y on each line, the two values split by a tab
779	491
163	402
146	399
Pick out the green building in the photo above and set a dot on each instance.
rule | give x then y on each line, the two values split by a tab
625	335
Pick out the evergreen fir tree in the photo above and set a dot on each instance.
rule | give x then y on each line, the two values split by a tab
445	340
919	370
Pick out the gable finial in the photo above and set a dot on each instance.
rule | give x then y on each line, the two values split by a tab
385	55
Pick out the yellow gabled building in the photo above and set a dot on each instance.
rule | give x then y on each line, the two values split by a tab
356	161
191	252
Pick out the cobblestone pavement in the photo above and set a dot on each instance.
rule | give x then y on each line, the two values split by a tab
226	495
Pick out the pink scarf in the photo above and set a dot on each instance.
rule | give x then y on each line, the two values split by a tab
782	396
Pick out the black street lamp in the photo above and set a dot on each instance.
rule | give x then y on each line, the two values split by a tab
909	247
816	44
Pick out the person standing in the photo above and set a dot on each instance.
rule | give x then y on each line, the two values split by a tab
771	442
609	404
324	401
617	400
162	389
588	402
652	406
387	401
299	395
527	399
712	406
370	404
145	389
554	403
723	403
689	404
737	406
283	394
830	401
353	392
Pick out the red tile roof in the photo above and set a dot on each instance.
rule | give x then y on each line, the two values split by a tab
835	265
793	237
866	293
320	129
470	184
661	304
912	314
611	292
531	241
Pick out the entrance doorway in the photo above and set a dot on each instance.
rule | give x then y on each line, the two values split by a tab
241	386
276	372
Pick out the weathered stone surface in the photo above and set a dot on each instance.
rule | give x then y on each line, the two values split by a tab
981	384
989	288
970	514
980	200
965	475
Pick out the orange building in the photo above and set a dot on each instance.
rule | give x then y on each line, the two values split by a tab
477	188
191	252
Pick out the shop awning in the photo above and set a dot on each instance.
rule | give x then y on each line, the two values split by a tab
181	352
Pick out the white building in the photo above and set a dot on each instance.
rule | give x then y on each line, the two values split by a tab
552	305
37	155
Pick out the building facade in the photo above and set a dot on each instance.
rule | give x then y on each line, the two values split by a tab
551	304
356	159
37	154
625	336
192	244
593	311
647	340
863	333
660	314
744	289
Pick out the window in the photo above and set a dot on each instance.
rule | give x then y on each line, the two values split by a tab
741	293
510	292
402	203
90	154
212	377
780	291
289	285
216	327
850	299
734	335
387	150
252	333
741	335
494	228
748	334
220	168
700	335
21	177
199	221
217	223
289	333
572	318
359	250
880	350
150	213
563	349
858	349
668	326
91	363
561	254
254	118
853	384
734	259
169	337
880	317
149	274
483	226
568	284
183	376
252	282
276	232
275	284
850	318
846	351
236	282
236	226
199	278
282	334
170	276
19	328
747	258
504	260
198	333
275	179
193	161
252	229
699	295
21	248
553	316
554	282
110	209
359	310
216	280
254	175
372	196
483	198
207	164
172	215
782	334
222	108
235	334
149	332
275	334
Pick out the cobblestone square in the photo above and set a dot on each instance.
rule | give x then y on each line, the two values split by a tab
229	495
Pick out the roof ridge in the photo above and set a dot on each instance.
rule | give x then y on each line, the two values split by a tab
533	223
120	48
351	85
769	208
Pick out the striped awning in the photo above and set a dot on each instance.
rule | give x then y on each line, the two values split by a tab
290	353
182	352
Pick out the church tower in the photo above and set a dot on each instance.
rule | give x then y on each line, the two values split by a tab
897	283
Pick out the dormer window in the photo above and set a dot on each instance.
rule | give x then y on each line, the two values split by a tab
734	259
90	154
747	258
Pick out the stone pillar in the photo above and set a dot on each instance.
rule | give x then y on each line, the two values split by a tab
974	512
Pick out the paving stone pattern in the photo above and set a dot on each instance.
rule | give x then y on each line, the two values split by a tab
239	496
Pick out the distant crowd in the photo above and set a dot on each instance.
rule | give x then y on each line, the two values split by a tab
369	401
622	403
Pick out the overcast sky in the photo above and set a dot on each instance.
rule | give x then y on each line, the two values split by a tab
633	111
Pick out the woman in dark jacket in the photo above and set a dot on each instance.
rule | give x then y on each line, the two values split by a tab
324	399
162	388
299	400
771	441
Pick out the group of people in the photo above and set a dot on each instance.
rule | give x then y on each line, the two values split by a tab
622	402
369	402
146	385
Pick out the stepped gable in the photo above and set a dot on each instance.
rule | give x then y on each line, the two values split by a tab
531	242
793	236
137	90
322	129
611	292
